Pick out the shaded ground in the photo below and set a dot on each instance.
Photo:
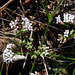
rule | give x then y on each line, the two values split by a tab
38	17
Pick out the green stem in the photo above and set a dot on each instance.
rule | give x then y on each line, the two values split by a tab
62	57
65	67
33	66
49	21
16	36
45	34
57	6
1	68
73	72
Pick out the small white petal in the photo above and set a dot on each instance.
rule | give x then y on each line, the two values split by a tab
18	57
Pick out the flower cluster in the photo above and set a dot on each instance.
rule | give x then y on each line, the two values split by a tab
27	25
8	54
45	51
67	18
13	24
67	34
62	38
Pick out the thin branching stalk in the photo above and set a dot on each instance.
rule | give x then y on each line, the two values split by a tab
49	21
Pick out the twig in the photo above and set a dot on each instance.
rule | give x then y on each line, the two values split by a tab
45	24
7	67
64	47
31	34
22	6
5	5
45	65
25	60
5	19
4	33
10	15
21	11
13	12
21	49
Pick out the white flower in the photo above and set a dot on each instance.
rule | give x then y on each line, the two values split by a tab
45	51
66	33
68	17
71	17
25	19
46	48
22	23
10	45
36	73
27	26
32	74
58	20
28	23
13	24
8	54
